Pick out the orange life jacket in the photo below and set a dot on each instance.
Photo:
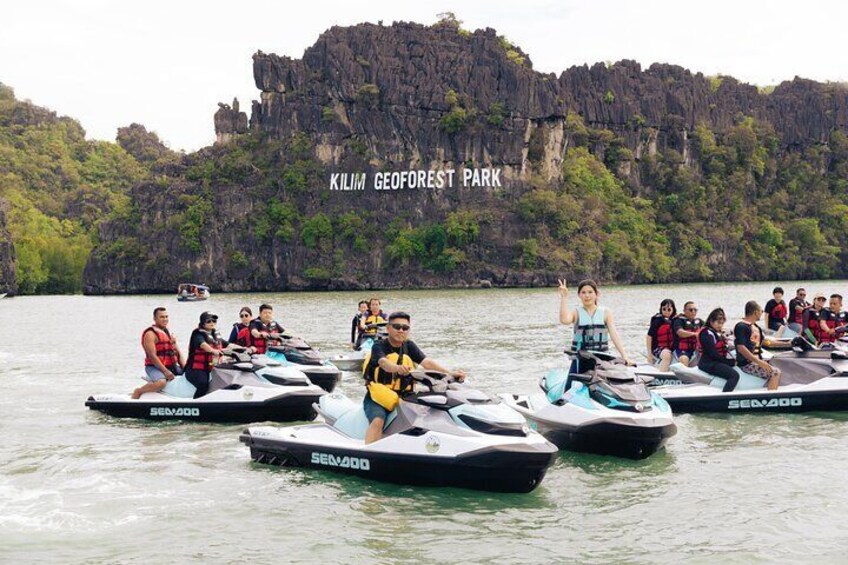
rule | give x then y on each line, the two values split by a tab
165	350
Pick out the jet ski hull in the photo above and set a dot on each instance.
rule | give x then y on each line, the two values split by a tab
499	468
289	408
347	364
598	430
713	400
605	438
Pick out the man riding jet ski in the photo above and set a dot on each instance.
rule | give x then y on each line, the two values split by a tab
810	379
608	411
445	433
239	391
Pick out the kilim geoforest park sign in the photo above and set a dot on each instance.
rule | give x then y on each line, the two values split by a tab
402	180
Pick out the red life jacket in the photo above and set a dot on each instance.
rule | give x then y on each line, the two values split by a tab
665	335
721	343
165	350
833	321
689	343
243	337
200	359
260	343
813	319
778	312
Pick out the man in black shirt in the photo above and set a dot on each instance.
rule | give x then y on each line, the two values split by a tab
776	310
392	360
796	311
749	338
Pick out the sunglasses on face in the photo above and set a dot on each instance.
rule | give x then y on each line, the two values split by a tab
692	309
211	322
400	327
245	315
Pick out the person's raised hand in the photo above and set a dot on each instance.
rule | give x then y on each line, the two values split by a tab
563	288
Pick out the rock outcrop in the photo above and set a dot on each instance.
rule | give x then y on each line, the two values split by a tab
229	122
7	254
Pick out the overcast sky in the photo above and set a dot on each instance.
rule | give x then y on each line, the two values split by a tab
166	64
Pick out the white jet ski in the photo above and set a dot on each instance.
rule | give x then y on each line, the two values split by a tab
239	392
811	379
295	352
608	411
352	363
445	434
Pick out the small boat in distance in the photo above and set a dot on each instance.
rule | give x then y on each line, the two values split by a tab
190	292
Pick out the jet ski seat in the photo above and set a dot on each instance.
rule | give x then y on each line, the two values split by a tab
347	416
180	388
694	375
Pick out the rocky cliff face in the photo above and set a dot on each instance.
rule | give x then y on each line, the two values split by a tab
255	212
388	87
7	254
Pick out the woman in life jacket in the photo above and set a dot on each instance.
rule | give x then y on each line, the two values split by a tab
661	340
204	351
593	324
358	318
368	323
813	316
714	360
240	333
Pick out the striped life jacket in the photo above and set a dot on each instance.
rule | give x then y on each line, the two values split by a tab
591	331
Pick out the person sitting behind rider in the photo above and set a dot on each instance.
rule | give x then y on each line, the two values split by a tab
776	311
241	329
797	306
390	361
686	328
356	322
661	340
813	316
832	319
204	351
264	329
714	359
375	316
162	358
749	339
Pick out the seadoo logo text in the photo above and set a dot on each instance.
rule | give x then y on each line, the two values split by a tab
345	462
764	403
165	411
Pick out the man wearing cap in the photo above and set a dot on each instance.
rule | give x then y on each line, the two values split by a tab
390	361
813	315
204	350
162	357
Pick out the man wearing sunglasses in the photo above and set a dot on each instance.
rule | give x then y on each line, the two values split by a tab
390	363
686	326
204	351
796	310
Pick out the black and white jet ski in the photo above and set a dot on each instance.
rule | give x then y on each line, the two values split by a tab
446	434
608	411
352	362
811	380
239	392
297	353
